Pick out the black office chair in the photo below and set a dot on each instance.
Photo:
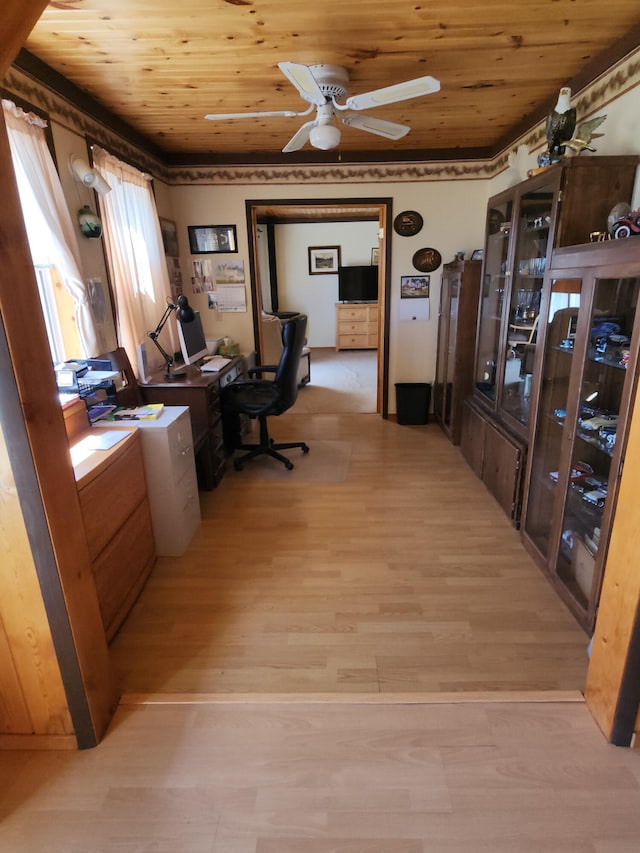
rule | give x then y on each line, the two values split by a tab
260	398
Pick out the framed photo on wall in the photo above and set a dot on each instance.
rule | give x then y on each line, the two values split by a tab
324	260
414	286
169	231
212	239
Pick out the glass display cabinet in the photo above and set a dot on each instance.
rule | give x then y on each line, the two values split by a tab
583	398
557	207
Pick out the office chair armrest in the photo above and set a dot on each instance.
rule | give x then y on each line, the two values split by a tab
263	368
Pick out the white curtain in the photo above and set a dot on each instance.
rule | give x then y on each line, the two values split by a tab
135	251
51	233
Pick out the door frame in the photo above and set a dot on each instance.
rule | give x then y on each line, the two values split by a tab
285	210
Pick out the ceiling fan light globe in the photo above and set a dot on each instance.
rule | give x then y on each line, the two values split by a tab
325	137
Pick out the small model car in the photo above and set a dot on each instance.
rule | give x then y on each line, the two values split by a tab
627	226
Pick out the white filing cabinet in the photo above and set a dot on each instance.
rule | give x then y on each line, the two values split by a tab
170	472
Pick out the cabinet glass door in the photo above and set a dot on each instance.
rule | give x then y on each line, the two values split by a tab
534	221
441	361
564	305
452	333
493	294
603	385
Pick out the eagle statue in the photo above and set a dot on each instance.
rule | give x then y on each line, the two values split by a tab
561	122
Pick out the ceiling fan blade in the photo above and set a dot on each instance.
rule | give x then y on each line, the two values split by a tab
388	129
285	113
299	139
304	81
391	94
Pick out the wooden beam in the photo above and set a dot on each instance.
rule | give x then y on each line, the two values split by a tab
17	19
33	424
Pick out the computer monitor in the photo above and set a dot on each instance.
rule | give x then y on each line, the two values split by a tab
192	340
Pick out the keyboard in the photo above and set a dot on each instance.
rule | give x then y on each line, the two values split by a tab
215	363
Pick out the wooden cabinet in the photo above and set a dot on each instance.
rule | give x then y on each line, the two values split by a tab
525	225
167	449
495	456
457	319
356	325
117	521
201	393
588	375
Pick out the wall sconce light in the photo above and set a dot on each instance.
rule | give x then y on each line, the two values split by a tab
185	315
91	178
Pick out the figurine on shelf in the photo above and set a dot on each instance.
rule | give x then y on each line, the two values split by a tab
585	133
561	122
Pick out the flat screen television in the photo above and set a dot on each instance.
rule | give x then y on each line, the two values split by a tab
192	340
358	284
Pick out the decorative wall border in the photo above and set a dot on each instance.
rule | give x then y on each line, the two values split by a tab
619	79
63	112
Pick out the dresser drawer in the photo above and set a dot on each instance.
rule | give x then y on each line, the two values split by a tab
122	568
352	328
353	341
232	374
352	313
112	496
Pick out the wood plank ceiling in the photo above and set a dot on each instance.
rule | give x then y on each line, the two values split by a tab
161	65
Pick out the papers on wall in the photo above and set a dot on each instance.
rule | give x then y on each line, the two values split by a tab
414	309
231	297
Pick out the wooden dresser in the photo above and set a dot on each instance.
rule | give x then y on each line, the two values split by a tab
356	325
112	491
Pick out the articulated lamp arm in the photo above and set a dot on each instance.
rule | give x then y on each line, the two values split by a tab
185	313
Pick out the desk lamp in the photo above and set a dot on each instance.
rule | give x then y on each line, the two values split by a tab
185	315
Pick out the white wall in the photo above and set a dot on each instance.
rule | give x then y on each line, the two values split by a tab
316	295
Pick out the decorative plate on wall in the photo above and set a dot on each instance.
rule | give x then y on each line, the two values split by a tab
427	260
407	223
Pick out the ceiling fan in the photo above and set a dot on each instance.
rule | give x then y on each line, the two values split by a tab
322	85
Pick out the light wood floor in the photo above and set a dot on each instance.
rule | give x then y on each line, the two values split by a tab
241	778
384	567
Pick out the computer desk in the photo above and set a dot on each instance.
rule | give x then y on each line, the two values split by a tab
200	391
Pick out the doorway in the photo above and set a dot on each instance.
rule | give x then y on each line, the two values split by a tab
281	211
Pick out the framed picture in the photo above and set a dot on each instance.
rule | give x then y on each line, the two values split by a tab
169	233
375	257
324	260
212	239
414	286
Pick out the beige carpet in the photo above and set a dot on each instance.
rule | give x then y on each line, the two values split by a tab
326	462
341	383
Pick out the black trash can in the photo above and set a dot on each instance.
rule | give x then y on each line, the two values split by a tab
412	402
